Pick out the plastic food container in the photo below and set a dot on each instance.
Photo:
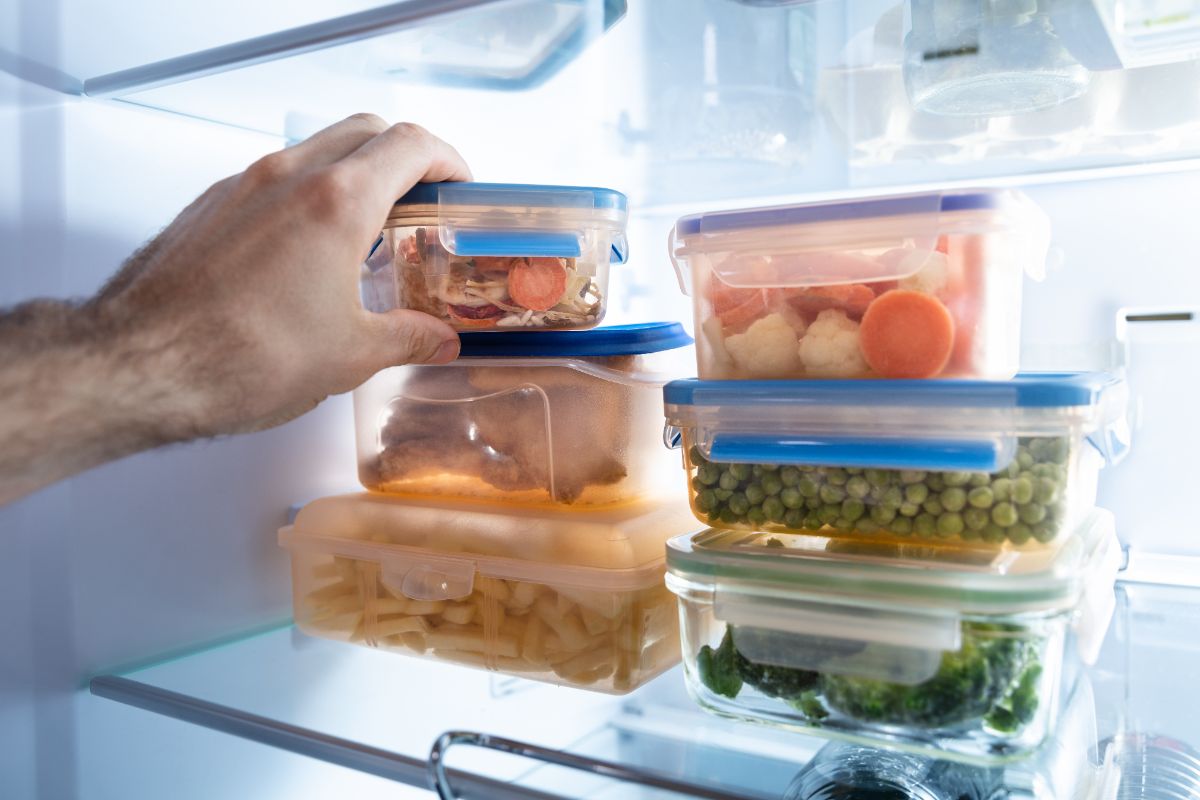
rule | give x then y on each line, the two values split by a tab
934	654
485	256
914	286
568	417
989	466
567	598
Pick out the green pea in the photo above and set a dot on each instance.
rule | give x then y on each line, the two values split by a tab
866	525
1022	491
772	484
708	474
695	456
935	482
1045	491
1020	533
843	524
976	519
808	487
933	506
1031	513
883	515
743	472
723	494
916	493
980	479
878	477
909	509
790	476
1024	460
793	518
956	478
911	476
739	504
892	497
858	487
837	477
1012	470
706	500
770	467
901	526
994	533
852	509
728	516
791	497
812	522
1045	532
854	470
697	484
950	524
981	497
1061	451
925	525
755	494
953	499
756	516
773	508
813	503
1002	490
729	481
1004	515
971	534
832	494
714	518
828	514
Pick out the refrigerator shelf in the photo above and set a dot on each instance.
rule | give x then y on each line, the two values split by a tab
361	710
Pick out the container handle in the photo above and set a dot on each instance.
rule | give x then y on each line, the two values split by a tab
974	455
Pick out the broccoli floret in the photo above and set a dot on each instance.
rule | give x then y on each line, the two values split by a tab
775	681
719	668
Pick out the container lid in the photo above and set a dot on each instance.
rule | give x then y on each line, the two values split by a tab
944	581
614	340
512	194
433	551
903	424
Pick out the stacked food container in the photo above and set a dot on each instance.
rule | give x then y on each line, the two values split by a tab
519	497
904	547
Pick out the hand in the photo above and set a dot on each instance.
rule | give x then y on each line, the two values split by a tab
242	314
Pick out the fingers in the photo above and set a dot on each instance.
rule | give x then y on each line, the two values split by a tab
394	161
334	143
409	337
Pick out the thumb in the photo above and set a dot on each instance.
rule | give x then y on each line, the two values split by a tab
404	336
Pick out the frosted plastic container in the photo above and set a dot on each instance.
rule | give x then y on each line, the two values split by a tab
986	466
484	256
936	655
826	290
562	597
564	418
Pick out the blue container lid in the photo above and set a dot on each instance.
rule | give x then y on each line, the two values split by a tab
513	194
807	213
615	340
1027	390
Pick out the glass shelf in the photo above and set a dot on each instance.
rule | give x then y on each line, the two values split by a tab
381	714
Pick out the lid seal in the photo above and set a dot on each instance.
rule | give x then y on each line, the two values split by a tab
615	340
513	194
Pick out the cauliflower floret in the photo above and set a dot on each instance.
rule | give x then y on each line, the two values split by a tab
767	349
932	277
830	348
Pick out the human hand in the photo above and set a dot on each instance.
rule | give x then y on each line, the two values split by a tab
249	300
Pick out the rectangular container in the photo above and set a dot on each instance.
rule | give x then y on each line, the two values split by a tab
567	598
989	466
564	418
484	256
914	286
932	654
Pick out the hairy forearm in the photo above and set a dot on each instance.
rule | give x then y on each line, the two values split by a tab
77	390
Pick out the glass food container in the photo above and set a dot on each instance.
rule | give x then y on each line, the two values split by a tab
914	286
564	418
980	465
562	597
935	653
484	256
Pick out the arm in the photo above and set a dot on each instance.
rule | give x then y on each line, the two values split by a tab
242	314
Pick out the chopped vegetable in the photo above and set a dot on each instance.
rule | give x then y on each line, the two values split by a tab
830	347
907	334
767	349
851	298
537	283
719	668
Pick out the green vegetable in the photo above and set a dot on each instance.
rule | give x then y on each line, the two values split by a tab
718	668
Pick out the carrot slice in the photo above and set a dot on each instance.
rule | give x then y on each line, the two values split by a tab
907	334
853	298
537	283
474	317
736	307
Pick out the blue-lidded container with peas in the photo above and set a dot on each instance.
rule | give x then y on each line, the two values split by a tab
985	465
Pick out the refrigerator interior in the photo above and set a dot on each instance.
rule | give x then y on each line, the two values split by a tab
684	105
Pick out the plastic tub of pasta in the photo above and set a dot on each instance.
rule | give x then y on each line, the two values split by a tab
563	597
484	256
990	466
935	653
913	286
563	418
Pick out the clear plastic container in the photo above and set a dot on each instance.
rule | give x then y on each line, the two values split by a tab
936	655
567	598
979	465
565	418
484	256
914	286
